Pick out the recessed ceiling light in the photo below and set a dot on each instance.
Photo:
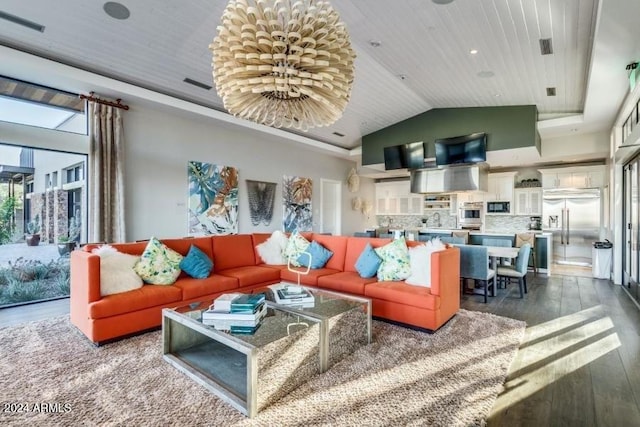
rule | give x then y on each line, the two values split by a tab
497	95
116	10
442	1
473	51
485	74
402	76
375	43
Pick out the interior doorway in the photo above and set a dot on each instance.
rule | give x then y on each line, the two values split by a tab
330	206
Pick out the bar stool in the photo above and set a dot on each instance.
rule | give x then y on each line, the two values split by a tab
529	238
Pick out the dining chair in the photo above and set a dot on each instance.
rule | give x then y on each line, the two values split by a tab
490	241
474	264
519	270
452	239
530	238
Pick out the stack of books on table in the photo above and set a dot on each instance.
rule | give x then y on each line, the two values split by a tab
236	313
293	295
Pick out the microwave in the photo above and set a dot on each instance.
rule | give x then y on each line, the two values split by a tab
498	207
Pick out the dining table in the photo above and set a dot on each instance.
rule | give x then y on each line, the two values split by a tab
496	252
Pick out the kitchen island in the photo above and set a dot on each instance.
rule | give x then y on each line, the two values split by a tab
543	249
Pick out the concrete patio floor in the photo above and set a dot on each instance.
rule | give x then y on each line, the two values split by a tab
44	252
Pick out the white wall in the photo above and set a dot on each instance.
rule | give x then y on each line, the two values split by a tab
164	133
587	143
159	144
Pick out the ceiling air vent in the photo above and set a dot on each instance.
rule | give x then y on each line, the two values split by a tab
551	91
197	83
21	21
341	135
546	48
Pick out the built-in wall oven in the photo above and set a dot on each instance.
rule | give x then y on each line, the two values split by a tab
471	216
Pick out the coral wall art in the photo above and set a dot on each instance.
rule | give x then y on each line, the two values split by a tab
213	199
296	204
262	196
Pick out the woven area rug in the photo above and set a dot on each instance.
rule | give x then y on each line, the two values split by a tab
51	375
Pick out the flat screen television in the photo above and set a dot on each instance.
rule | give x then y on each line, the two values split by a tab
461	149
404	156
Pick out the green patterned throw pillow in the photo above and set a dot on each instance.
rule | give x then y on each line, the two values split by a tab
158	264
395	261
295	246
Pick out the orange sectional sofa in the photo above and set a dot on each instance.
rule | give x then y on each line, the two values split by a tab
239	268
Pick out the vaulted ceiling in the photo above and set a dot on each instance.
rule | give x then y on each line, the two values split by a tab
413	55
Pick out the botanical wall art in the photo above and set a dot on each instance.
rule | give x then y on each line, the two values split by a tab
296	204
213	199
262	196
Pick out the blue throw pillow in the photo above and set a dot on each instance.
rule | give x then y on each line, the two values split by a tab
319	256
196	264
368	262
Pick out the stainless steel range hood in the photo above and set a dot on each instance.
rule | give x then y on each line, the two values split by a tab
451	179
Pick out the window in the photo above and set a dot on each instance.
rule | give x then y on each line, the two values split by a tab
54	180
47	181
74	174
34	105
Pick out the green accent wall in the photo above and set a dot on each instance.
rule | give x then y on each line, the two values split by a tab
506	127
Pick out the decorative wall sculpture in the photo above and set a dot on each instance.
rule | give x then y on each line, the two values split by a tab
261	200
213	199
296	204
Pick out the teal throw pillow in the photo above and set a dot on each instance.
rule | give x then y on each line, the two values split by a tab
368	262
319	256
196	264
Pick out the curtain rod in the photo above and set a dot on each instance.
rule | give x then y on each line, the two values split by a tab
92	97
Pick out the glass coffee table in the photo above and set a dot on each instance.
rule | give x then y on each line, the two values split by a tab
249	372
345	320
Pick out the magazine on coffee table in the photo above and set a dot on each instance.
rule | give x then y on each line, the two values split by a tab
292	295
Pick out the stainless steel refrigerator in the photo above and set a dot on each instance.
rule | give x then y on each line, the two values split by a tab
573	217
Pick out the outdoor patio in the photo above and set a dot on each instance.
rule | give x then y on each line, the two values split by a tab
44	253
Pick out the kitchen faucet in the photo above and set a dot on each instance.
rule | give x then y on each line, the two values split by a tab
436	219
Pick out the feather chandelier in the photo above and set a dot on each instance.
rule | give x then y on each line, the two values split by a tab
283	63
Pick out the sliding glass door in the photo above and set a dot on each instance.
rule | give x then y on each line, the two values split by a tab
631	271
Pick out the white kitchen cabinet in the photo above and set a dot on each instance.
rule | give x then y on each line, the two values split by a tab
573	177
528	201
394	198
500	187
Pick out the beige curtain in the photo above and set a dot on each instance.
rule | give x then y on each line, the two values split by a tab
106	172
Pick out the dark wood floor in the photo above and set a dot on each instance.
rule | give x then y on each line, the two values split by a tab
579	364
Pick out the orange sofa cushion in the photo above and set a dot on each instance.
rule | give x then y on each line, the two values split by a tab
232	251
309	279
252	274
182	245
355	246
137	299
337	245
400	292
346	281
194	288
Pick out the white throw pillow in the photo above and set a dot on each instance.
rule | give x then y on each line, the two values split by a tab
116	271
272	250
420	261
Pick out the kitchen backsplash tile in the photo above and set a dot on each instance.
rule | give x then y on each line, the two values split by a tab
492	223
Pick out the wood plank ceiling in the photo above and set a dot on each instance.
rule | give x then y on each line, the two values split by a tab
423	60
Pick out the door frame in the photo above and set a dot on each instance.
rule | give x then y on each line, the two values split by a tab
338	203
